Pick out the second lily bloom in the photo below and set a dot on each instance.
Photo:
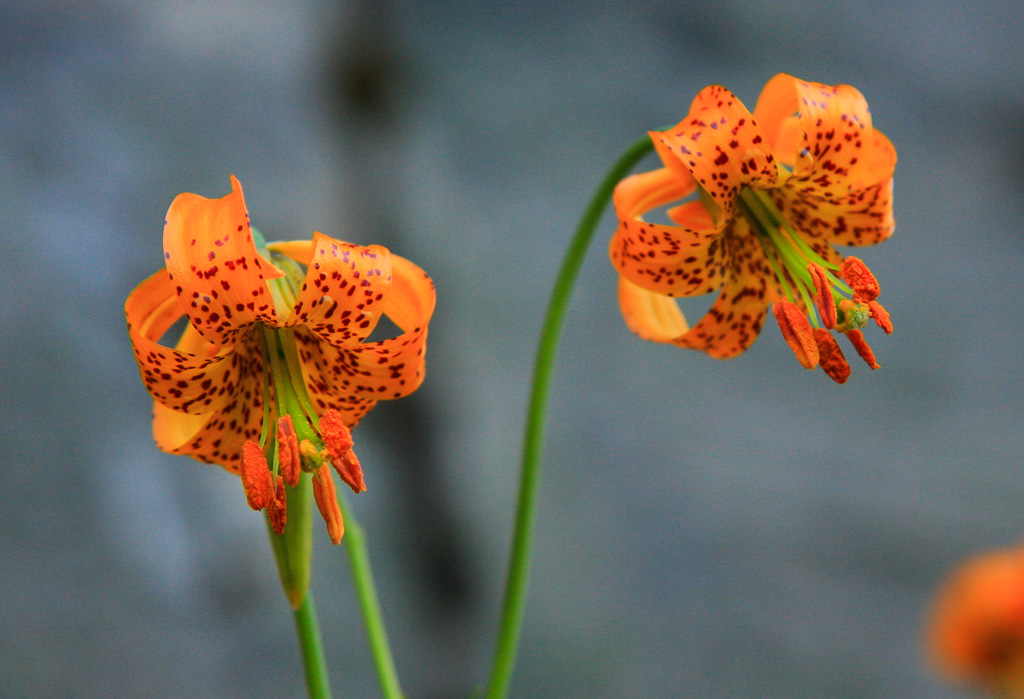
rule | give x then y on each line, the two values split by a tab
758	201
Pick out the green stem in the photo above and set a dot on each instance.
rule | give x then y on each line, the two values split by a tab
362	579
317	684
533	439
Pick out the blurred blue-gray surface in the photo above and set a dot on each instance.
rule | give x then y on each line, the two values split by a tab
709	529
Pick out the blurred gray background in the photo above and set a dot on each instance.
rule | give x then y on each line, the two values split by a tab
729	529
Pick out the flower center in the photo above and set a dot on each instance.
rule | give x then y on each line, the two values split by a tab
817	300
806	277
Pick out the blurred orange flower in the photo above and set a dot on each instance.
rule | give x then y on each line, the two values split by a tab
760	199
976	629
273	367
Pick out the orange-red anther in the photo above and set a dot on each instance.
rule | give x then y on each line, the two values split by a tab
823	298
327	502
255	476
862	347
277	509
833	362
861	280
338	441
288	450
797	333
880	315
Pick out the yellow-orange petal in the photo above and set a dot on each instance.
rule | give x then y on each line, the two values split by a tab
256	479
838	152
195	377
736	317
650	315
217	436
655	258
796	331
723	147
831	356
219	276
861	218
352	379
637	194
342	296
299	250
326	497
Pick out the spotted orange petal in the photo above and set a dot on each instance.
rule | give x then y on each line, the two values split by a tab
352	379
862	218
824	132
219	276
343	294
195	377
217	437
736	317
656	261
723	147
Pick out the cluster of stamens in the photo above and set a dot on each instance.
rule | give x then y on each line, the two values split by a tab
810	284
331	446
814	345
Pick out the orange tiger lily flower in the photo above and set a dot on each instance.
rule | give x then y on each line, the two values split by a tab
760	200
274	367
976	629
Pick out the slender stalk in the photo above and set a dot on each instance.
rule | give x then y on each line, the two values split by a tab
362	579
533	439
317	684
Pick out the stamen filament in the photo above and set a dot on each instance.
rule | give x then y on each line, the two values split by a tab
297	380
797	240
265	352
775	268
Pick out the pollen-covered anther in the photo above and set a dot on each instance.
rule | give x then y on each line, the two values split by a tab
881	316
256	476
797	333
823	297
859	277
288	450
856	338
833	362
338	441
327	502
277	509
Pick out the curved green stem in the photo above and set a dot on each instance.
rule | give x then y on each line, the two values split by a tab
362	579
317	684
533	440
